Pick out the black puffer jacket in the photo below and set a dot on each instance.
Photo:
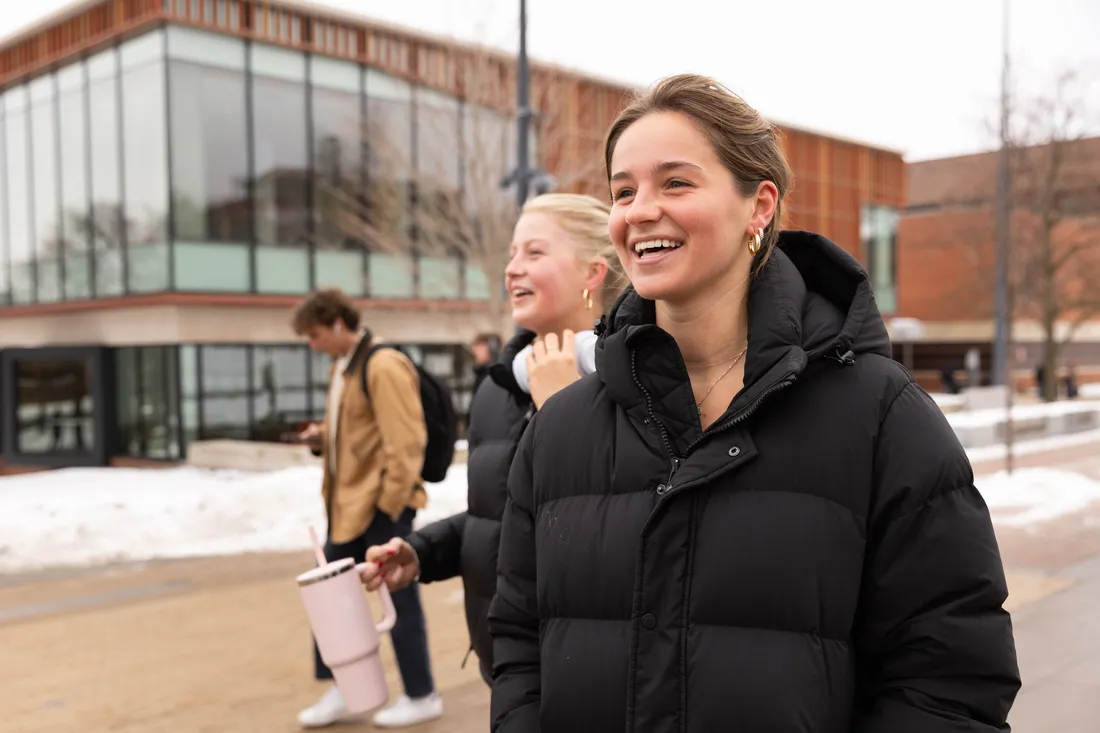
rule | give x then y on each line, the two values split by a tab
818	561
466	544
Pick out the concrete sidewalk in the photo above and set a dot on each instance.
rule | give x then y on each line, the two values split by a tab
219	645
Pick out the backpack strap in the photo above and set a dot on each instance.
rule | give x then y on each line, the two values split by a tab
366	363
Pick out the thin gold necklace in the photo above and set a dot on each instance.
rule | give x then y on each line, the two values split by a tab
734	360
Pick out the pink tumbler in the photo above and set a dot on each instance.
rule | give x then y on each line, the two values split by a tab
346	633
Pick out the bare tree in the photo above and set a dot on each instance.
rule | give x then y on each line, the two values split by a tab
1055	241
446	200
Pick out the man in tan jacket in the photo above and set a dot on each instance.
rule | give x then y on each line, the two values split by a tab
373	445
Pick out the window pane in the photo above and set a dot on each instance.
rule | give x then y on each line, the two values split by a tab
17	162
878	229
46	212
338	160
74	184
209	170
391	275
145	179
280	188
54	406
319	373
159	412
208	49
439	277
280	396
486	161
389	136
128	401
440	221
106	183
189	392
224	393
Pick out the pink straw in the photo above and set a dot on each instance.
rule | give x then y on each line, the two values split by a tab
317	549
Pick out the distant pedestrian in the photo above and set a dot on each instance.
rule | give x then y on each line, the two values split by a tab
374	436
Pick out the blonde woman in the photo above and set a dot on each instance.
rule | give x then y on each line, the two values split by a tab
752	519
561	273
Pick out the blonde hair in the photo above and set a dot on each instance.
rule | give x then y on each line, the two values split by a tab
746	143
584	219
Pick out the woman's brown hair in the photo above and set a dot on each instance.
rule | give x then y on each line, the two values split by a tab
746	143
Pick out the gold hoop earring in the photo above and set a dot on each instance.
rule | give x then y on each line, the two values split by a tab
754	244
587	298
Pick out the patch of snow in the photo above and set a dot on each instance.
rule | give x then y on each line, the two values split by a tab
992	416
1032	495
1034	445
1090	390
94	516
943	399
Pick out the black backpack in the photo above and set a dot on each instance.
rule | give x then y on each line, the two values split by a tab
439	417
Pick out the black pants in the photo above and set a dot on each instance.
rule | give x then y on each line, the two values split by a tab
410	633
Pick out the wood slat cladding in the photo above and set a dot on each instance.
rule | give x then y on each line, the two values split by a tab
833	178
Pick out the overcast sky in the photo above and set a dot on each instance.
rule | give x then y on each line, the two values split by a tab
920	77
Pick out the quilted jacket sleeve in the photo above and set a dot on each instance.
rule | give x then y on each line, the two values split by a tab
439	548
934	644
514	614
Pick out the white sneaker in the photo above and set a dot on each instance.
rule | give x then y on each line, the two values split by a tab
326	711
405	711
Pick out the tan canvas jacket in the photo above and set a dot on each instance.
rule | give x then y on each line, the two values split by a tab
380	441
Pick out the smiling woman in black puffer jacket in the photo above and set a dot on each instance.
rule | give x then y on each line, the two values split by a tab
750	518
561	272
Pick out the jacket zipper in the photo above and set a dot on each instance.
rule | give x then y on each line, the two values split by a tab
674	460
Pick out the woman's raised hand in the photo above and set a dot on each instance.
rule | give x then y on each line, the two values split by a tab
550	367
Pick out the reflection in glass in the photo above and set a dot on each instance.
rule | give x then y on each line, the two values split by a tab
392	269
75	231
189	392
281	158
485	162
54	406
159	411
17	169
46	212
107	225
280	390
439	216
319	370
209	173
338	145
128	402
224	405
879	231
145	176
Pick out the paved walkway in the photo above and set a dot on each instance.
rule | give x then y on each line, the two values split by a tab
218	645
221	644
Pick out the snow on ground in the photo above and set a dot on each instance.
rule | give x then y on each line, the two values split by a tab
994	415
1032	495
99	515
94	516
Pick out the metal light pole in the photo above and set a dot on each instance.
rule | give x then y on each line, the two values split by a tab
1001	305
524	175
1002	357
523	112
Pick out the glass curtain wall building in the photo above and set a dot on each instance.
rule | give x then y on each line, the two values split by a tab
186	161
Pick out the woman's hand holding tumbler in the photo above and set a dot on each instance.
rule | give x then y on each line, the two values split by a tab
395	563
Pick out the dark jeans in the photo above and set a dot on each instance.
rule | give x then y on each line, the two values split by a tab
410	633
